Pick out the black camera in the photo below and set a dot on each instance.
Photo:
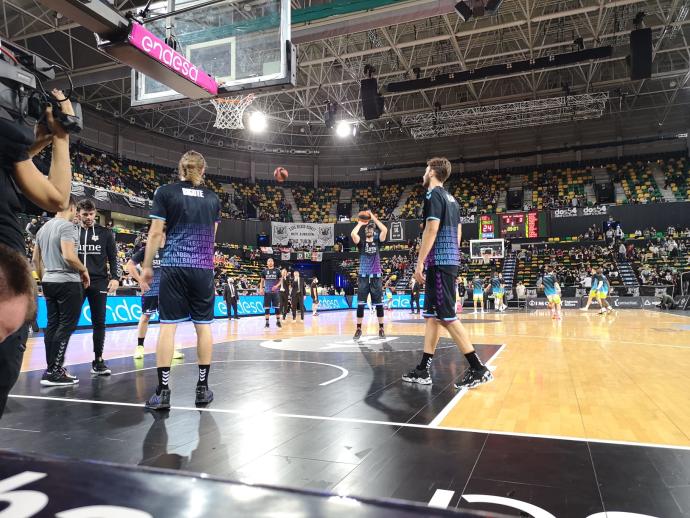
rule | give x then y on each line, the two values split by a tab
23	99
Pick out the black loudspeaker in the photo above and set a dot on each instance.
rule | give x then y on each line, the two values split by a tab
641	54
372	101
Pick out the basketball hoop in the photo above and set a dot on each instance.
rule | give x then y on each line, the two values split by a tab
229	111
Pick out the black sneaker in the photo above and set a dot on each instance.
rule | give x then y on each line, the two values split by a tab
474	378
57	378
417	375
159	401
64	371
204	395
237	318
278	323
358	335
381	333
99	368
267	326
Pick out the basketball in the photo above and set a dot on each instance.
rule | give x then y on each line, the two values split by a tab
364	216
280	174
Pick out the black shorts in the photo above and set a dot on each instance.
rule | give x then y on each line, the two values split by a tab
439	294
149	304
271	298
370	286
186	294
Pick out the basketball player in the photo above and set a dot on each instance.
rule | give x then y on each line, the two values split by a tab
149	299
191	214
593	292
440	254
603	292
369	270
552	290
478	292
268	287
497	289
314	292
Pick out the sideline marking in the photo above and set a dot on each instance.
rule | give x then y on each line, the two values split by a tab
436	421
359	421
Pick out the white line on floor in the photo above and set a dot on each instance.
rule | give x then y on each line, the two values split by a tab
441	498
344	371
451	404
354	420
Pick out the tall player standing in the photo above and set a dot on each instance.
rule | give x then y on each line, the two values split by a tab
370	282
191	214
439	253
268	287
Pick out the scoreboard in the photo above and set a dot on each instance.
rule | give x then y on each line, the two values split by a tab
519	225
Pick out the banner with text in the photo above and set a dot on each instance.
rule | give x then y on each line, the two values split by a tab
311	234
573	212
127	310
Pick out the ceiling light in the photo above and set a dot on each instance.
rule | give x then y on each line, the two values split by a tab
343	129
257	122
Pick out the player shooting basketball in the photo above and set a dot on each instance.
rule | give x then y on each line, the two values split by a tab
369	267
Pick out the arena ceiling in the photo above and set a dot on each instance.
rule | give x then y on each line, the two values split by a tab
424	38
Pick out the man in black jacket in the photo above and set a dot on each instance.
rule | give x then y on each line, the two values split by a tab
231	296
97	251
297	292
284	292
414	295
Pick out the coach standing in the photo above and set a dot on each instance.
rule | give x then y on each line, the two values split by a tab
231	296
97	251
414	295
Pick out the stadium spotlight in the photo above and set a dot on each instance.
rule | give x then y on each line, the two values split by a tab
257	122
344	129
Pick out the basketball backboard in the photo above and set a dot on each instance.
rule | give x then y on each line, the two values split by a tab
243	44
487	249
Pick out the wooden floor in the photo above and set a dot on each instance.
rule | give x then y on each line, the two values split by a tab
621	377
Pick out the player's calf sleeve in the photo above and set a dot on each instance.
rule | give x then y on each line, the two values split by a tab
360	310
379	310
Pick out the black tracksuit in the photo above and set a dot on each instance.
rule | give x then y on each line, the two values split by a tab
97	251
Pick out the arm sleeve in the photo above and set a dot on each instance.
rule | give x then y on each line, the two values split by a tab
138	256
158	210
434	206
111	250
68	233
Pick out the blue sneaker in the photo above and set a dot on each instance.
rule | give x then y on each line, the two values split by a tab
204	395
159	401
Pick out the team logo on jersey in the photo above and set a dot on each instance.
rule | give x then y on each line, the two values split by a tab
94	237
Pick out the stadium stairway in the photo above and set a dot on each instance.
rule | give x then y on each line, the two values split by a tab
502	204
527	197
289	198
660	179
509	268
403	200
627	274
619	193
591	195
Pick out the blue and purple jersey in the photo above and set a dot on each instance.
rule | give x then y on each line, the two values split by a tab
138	258
440	205
190	213
369	258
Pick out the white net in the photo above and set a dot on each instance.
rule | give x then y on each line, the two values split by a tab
229	111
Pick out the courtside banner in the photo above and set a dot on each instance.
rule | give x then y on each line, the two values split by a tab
127	310
403	301
315	234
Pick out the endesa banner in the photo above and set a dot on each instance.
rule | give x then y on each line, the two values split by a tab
127	310
402	301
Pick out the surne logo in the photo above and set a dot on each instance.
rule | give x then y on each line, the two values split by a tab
193	192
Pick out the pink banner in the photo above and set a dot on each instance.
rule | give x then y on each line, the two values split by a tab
147	42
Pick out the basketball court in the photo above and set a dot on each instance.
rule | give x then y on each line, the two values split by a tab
582	415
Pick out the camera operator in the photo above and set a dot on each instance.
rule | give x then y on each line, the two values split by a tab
18	174
98	252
